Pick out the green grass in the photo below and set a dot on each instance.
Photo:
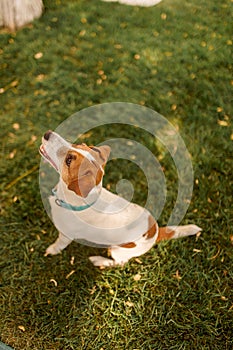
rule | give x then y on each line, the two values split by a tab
185	73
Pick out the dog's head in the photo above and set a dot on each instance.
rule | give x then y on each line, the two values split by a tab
81	167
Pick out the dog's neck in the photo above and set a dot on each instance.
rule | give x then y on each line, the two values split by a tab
68	196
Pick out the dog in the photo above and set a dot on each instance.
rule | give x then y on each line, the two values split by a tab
83	210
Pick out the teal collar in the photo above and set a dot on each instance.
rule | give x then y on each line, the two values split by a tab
68	206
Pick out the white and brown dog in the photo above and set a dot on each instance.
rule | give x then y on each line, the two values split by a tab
84	211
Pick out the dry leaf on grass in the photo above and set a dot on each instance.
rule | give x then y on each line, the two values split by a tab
38	55
177	275
16	126
137	277
54	281
129	303
70	274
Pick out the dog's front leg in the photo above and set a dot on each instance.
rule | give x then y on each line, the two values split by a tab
117	259
61	243
102	262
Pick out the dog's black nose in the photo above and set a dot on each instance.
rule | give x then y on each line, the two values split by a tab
47	135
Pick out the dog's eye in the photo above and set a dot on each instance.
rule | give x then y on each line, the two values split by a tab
95	149
88	172
69	159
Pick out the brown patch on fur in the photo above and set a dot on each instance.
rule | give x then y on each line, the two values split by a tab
128	245
99	176
82	175
99	173
151	228
164	234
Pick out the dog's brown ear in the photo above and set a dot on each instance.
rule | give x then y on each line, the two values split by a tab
105	152
101	153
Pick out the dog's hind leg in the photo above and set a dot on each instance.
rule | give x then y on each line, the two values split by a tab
61	243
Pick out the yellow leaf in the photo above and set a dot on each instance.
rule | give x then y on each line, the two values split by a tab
129	303
137	277
16	126
14	83
12	154
177	275
70	274
38	55
33	138
82	33
54	281
196	250
222	122
40	77
137	57
118	46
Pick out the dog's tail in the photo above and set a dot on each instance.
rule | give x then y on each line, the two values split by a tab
171	232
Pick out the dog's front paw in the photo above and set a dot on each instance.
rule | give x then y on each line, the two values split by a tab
101	262
52	250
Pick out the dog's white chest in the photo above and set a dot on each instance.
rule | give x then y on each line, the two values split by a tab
110	221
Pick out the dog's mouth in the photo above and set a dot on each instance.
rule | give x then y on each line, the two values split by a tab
45	155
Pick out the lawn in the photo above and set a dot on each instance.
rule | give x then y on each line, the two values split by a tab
175	58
